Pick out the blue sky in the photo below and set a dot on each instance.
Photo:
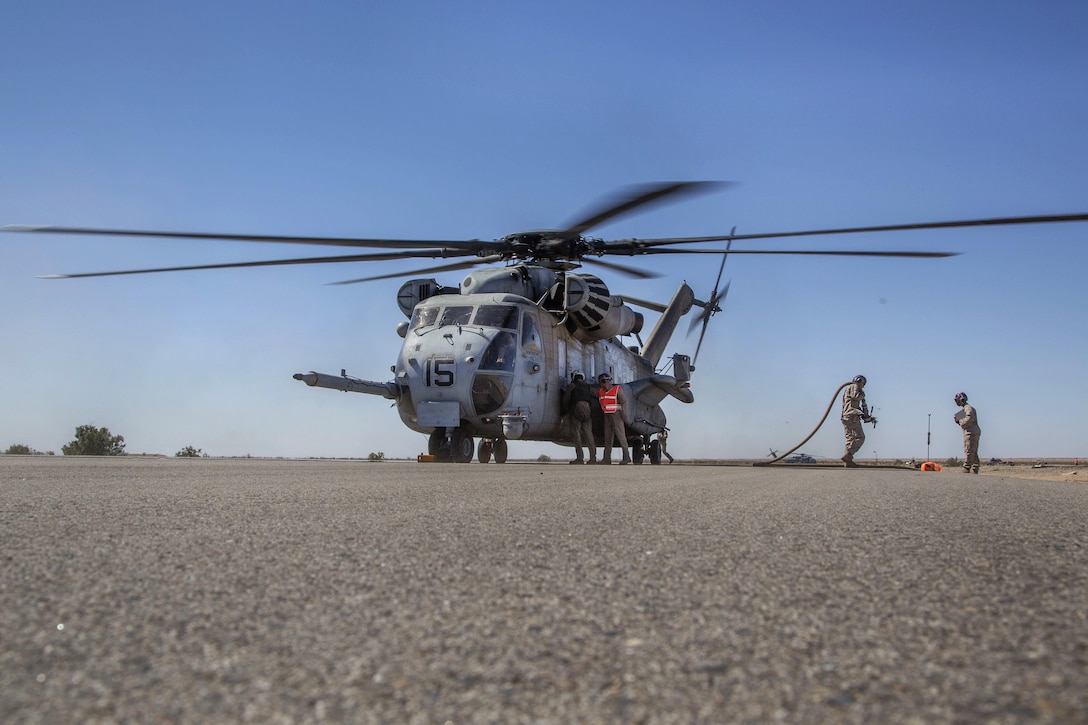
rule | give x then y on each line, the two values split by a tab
437	120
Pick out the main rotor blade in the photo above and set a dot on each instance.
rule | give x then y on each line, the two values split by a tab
622	269
812	252
442	268
473	245
634	197
271	263
1000	221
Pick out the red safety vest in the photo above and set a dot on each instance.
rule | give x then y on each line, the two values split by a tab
610	402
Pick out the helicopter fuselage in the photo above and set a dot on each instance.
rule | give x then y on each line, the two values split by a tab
494	364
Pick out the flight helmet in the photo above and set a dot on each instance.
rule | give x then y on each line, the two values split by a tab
960	398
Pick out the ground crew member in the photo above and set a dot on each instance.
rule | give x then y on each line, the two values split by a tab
854	413
967	418
613	399
662	440
577	399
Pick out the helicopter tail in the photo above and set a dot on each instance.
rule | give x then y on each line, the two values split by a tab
678	306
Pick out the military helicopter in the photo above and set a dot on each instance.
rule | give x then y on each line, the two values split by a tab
489	358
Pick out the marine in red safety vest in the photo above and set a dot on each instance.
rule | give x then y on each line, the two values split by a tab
612	399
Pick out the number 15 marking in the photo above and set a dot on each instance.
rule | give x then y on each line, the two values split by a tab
439	372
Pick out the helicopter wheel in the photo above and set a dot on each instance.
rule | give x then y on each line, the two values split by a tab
461	446
638	453
437	446
483	453
500	450
655	453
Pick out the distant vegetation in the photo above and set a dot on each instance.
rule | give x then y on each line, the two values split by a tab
21	449
377	457
91	441
189	452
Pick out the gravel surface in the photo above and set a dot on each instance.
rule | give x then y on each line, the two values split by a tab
205	590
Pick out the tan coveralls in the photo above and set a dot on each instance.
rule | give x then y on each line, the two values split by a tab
662	442
853	410
967	418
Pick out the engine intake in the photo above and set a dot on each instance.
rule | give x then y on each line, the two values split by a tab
414	291
596	314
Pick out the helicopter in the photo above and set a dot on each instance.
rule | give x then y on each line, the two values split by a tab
488	359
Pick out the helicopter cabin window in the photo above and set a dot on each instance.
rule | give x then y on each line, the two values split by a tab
502	316
530	338
456	315
424	317
499	355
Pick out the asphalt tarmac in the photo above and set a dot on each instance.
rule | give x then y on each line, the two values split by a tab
204	591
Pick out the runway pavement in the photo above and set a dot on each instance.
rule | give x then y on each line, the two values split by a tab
204	590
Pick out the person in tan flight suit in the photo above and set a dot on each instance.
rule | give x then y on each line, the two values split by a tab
854	413
662	442
967	418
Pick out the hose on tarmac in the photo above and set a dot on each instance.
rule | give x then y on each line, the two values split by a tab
818	426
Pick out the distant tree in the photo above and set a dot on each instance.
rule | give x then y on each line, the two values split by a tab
91	441
189	452
20	449
543	458
379	456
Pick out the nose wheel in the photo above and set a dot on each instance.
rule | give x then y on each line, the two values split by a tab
492	447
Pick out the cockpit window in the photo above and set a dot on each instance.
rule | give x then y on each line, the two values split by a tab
456	315
499	355
424	317
530	338
504	316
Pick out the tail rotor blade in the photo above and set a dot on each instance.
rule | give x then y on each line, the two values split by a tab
713	305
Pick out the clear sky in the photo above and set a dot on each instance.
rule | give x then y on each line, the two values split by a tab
440	120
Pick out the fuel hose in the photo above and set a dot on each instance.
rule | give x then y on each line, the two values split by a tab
818	426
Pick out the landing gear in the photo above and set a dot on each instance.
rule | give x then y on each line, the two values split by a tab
461	446
638	453
500	450
456	445
655	453
492	447
438	446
